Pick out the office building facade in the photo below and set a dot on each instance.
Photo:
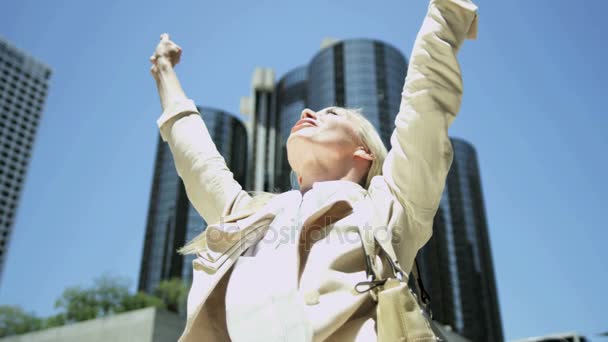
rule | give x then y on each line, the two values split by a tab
24	84
457	262
172	221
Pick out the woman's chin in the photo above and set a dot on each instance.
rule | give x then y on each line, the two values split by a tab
303	129
301	135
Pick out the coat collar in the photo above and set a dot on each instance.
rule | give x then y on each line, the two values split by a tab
329	199
323	196
347	188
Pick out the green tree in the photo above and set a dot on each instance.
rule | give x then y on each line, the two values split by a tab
14	321
54	321
140	300
110	293
173	293
78	304
105	297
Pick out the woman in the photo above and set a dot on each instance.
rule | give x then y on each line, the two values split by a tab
283	268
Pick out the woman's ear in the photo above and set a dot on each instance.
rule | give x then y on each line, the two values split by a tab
362	153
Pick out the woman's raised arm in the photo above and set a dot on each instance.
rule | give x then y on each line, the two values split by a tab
421	154
209	184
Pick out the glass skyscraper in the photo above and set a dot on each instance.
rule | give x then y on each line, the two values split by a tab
291	100
457	262
359	73
23	88
172	220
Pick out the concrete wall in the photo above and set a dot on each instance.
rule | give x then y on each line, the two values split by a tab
168	326
145	325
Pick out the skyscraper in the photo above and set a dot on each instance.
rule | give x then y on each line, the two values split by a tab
290	101
356	73
259	109
359	73
172	221
23	89
457	262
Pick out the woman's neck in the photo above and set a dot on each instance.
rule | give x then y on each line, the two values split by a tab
306	180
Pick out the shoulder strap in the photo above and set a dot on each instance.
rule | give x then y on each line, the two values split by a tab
370	240
420	290
369	249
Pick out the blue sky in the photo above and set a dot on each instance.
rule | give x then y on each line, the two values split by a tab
533	107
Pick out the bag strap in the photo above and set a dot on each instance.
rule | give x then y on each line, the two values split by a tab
420	290
369	240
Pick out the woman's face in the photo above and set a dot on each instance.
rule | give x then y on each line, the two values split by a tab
326	138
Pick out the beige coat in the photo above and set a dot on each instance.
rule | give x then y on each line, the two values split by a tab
402	201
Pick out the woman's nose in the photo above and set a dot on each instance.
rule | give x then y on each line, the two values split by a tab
308	113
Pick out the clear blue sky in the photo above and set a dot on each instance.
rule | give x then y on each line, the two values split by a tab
534	107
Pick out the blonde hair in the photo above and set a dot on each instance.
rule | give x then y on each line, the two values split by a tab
371	142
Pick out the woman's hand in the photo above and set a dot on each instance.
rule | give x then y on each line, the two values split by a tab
166	55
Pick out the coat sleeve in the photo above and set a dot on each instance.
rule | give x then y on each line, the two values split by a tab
419	160
210	186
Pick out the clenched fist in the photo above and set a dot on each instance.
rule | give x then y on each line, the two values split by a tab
166	54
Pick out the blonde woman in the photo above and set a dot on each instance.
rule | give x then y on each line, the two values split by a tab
283	267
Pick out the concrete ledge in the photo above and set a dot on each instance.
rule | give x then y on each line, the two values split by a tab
144	325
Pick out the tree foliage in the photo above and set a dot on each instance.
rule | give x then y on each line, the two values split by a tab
108	295
110	292
104	298
54	321
78	304
173	293
140	300
14	321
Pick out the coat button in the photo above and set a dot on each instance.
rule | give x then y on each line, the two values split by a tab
312	297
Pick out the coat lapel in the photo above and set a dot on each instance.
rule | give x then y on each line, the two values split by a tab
331	201
324	204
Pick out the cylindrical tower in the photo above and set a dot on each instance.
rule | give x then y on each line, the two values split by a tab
290	100
457	261
359	73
